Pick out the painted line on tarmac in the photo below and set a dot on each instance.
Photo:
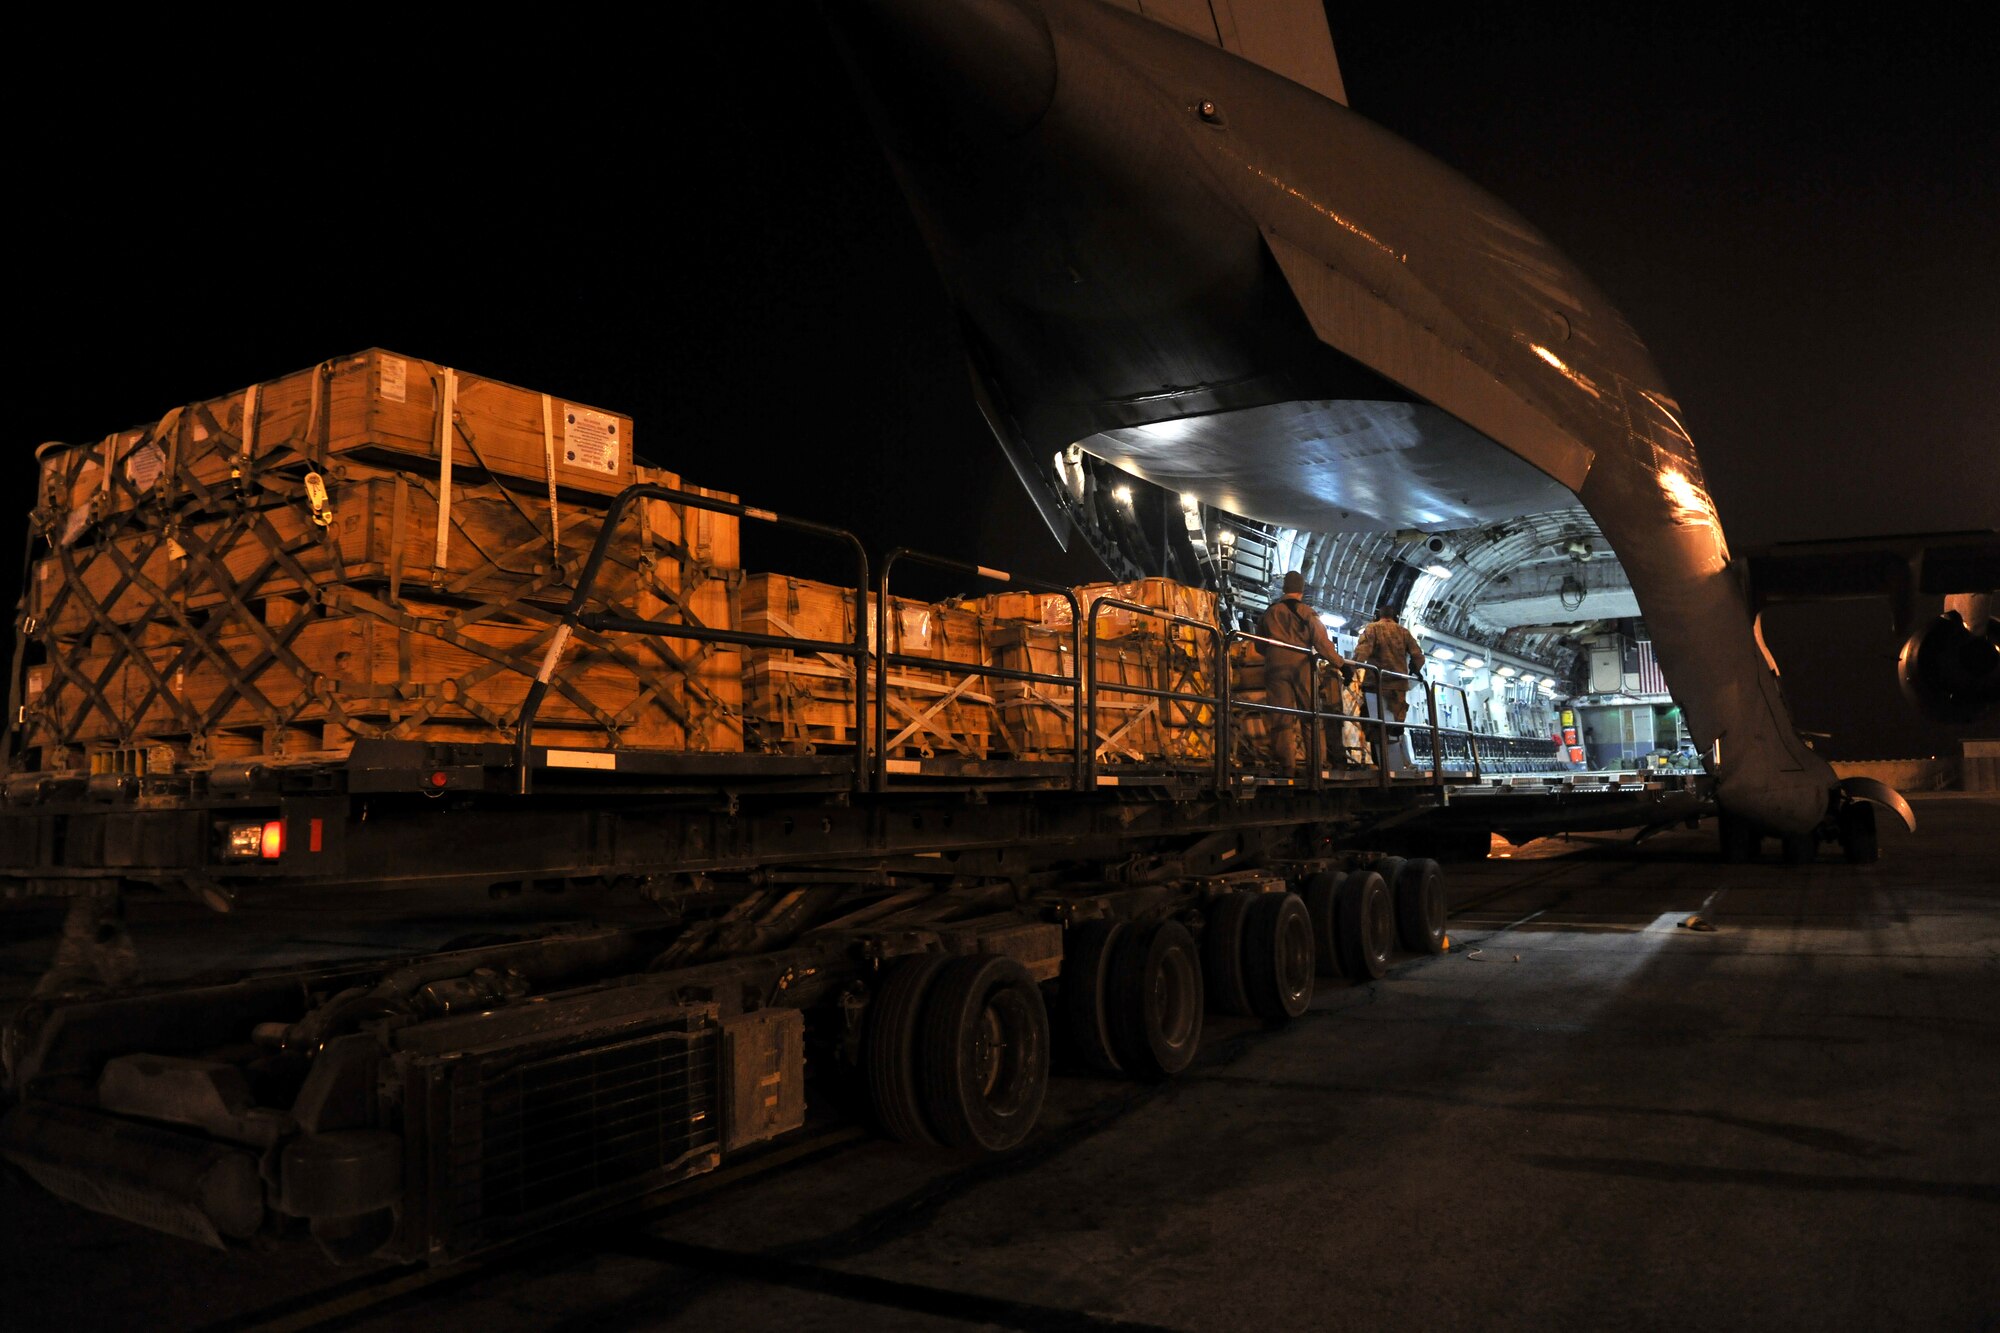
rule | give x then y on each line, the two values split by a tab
840	1284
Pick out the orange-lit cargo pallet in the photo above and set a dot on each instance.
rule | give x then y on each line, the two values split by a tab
213	593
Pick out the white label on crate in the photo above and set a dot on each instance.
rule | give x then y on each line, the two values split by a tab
38	681
73	526
144	465
582	759
180	680
590	440
395	379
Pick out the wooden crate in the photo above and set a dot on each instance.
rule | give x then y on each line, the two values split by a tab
1036	720
365	670
804	701
375	405
201	565
1052	609
1161	594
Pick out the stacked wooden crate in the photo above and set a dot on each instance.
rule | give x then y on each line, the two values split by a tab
803	701
1130	653
375	547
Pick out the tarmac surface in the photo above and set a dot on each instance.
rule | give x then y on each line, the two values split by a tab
1584	1115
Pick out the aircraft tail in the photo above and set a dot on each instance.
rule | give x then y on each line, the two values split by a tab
1288	37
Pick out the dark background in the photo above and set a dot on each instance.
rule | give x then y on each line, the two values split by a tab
692	224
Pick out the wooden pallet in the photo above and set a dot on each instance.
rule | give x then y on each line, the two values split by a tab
317	596
804	701
377	406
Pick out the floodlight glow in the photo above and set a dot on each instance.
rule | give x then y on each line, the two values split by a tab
1122	494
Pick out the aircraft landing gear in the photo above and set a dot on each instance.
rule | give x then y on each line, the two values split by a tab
1855	823
1738	838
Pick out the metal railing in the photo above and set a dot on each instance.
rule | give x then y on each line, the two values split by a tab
872	744
574	616
885	658
1314	716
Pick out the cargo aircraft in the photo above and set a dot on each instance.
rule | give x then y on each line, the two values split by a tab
1179	257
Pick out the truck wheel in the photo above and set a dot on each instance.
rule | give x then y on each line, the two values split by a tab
1420	909
1086	961
1322	891
1367	926
1857	833
1222	954
1154	1001
1390	868
1278	956
889	1048
1737	838
983	1061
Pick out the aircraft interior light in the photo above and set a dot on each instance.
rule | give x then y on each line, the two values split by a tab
1438	571
1332	621
1122	494
1507	671
1475	662
1443	654
1189	502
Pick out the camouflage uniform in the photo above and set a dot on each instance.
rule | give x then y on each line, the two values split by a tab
1288	676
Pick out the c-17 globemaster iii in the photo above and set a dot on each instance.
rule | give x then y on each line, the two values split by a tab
1176	251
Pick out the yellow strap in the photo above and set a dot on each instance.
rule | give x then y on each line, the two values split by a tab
549	457
447	406
249	430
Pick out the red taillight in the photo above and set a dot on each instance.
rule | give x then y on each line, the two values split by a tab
273	845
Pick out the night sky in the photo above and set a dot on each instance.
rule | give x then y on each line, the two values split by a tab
1797	211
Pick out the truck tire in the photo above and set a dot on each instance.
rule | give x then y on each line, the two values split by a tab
1278	957
889	1048
1086	964
1321	894
1420	907
1390	868
1155	1001
983	1058
1366	926
1222	954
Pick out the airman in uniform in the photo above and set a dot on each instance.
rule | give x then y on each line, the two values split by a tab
1288	674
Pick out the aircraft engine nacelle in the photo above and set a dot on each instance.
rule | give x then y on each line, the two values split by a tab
1951	673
